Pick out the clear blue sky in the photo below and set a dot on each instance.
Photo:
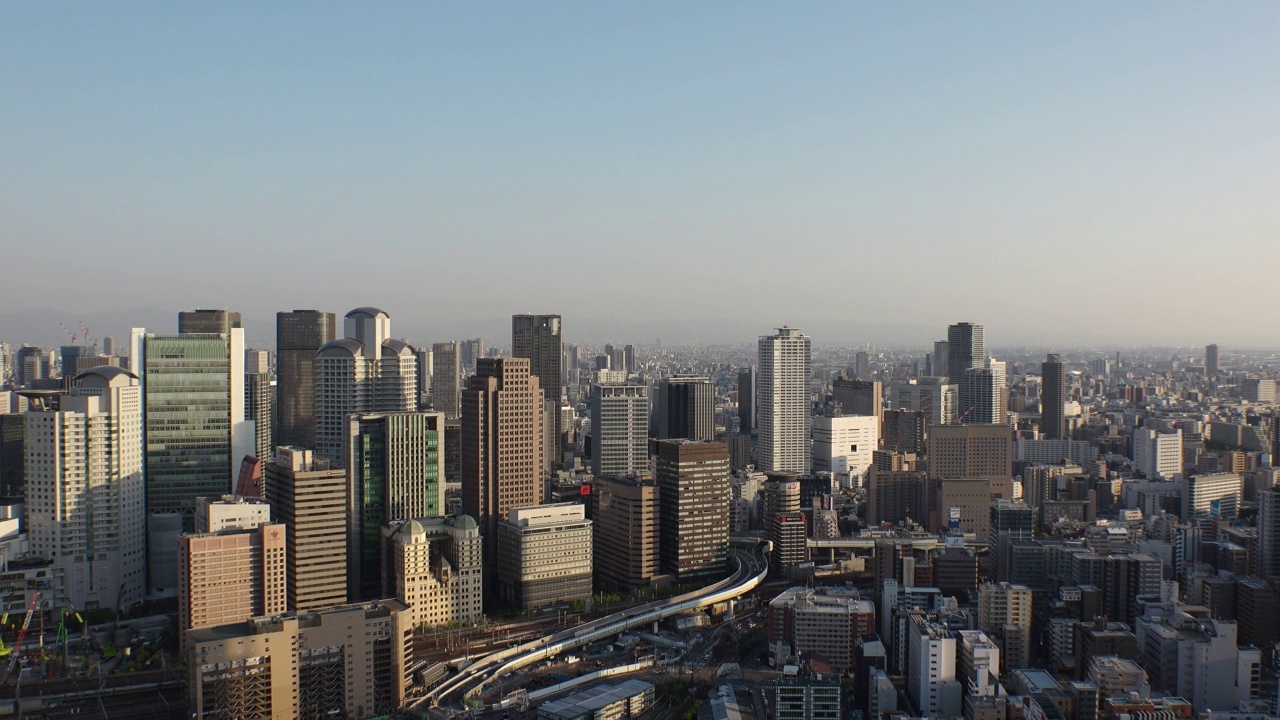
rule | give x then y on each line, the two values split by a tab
1049	170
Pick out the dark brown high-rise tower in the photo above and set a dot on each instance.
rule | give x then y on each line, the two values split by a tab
1053	396
299	334
502	444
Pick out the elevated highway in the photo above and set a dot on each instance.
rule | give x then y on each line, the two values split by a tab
749	557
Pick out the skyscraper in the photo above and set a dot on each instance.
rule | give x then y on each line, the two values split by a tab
624	512
686	408
446	378
939	360
257	407
619	429
1053	394
1211	360
984	395
395	470
862	365
299	335
965	349
538	338
85	492
503	424
747	401
693	494
366	371
1269	533
310	498
195	430
785	410
217	322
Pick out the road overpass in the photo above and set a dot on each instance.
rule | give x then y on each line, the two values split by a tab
749	557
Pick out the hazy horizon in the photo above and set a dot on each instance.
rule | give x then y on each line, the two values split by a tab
1073	174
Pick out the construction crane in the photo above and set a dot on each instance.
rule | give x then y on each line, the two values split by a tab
22	635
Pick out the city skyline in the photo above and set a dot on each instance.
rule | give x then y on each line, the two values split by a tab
1083	149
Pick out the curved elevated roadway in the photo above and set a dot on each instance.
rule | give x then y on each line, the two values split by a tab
749	556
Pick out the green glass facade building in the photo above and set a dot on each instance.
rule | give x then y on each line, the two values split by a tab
395	467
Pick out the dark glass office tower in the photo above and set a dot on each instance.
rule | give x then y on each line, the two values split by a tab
1053	383
965	349
687	408
219	322
538	338
299	334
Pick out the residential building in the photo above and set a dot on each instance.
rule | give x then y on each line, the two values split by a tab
366	371
747	401
1157	455
984	395
84	502
1211	361
784	405
931	668
1004	612
257	409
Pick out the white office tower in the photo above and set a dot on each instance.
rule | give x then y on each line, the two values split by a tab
1217	495
844	445
932	396
1158	455
85	494
784	408
619	429
364	372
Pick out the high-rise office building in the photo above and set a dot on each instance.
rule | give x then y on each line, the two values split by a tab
1053	397
1157	455
1217	495
895	495
538	338
366	371
395	471
257	362
965	349
216	322
503	426
619	429
31	364
904	431
195	431
347	661
686	408
472	350
108	346
299	336
426	365
693	487
13	456
931	672
624	513
257	408
446	379
544	556
747	401
84	501
310	498
436	566
784	408
1211	360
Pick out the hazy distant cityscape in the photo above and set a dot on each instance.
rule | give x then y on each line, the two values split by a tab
346	524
